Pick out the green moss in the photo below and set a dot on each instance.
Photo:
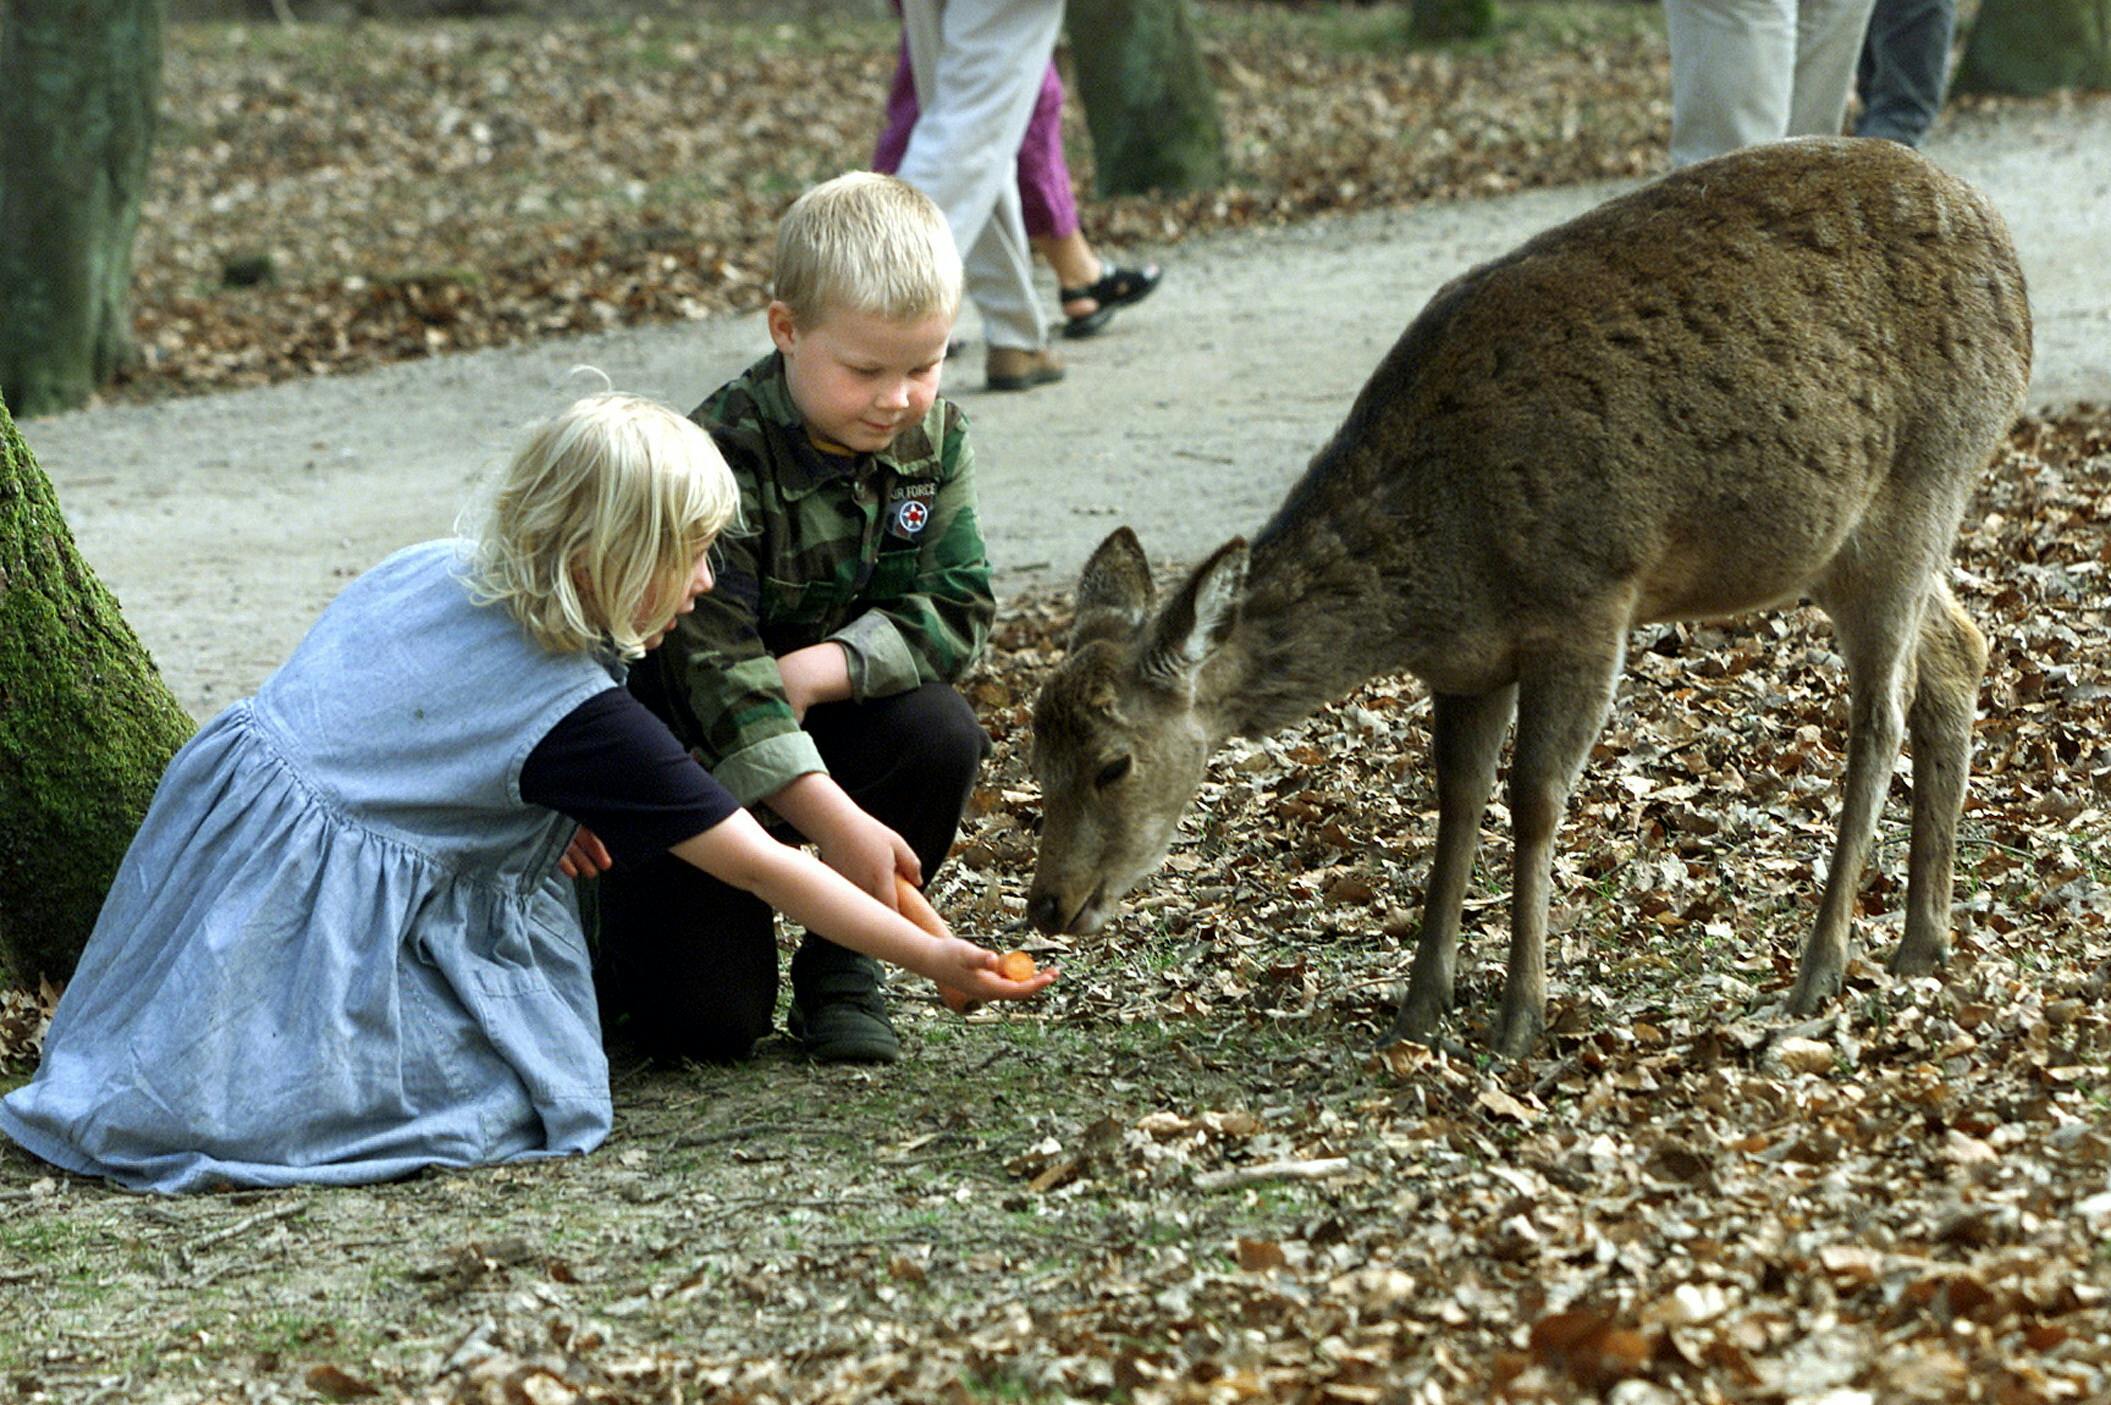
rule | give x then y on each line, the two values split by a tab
2031	47
1439	21
86	728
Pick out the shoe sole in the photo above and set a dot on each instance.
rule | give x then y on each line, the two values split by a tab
864	1055
1090	325
1095	321
1025	382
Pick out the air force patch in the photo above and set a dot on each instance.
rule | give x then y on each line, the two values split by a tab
909	509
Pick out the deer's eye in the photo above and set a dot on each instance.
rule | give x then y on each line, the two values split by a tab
1111	772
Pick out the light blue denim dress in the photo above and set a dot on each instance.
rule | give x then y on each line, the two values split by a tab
338	950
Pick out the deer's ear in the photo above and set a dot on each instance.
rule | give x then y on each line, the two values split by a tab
1113	591
1198	618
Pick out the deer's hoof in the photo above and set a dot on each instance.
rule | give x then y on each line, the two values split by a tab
1922	960
1814	986
1420	1015
1518	1034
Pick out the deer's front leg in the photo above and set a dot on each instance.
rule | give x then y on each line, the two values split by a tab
1873	640
1561	709
1468	736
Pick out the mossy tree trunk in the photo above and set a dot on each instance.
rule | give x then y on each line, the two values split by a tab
80	86
2034	46
1148	98
86	728
1439	21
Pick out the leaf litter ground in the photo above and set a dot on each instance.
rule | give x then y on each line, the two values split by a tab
331	197
1188	1175
325	198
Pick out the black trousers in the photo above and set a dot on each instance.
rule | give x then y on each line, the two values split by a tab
692	962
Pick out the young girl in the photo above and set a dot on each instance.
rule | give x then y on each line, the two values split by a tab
338	949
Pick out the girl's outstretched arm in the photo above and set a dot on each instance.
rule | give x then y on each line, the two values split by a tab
738	851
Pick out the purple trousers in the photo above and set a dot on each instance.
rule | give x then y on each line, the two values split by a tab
1045	198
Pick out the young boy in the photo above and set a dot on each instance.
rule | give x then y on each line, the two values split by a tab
816	680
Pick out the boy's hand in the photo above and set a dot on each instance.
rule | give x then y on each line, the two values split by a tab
851	842
869	854
586	856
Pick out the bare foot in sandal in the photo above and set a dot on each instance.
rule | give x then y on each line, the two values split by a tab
1091	307
1092	289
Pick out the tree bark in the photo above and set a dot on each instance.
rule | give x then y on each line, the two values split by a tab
1440	21
1148	98
86	728
80	86
2029	47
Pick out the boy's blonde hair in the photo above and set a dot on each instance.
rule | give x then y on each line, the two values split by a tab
598	520
866	243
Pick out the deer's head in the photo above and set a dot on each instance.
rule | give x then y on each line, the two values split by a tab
1119	740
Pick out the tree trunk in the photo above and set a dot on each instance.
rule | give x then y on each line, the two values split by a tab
2034	46
80	84
1440	21
86	728
1147	96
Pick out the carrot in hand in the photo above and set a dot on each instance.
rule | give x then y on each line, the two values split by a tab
1015	966
917	908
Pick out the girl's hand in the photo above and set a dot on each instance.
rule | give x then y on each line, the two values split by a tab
586	856
972	971
959	997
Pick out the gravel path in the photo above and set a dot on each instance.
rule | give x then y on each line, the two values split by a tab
226	522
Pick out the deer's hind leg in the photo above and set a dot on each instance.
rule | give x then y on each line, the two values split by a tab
1468	740
1948	664
1877	622
1562	702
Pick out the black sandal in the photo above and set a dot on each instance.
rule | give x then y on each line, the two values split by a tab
1117	288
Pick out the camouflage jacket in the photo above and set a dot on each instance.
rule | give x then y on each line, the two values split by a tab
880	552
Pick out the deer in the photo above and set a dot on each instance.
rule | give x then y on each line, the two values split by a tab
1767	377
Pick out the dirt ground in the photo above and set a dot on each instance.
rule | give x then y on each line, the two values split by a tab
1064	1204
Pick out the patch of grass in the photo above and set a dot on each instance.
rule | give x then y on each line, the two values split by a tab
286	1331
46	1238
1545	26
437	275
1000	1386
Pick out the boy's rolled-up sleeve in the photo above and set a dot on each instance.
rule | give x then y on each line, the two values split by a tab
728	681
935	630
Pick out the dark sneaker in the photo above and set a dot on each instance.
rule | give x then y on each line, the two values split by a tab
839	1016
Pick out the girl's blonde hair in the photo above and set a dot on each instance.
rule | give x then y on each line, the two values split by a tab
866	243
597	521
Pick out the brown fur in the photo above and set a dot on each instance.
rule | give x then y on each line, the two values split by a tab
1768	376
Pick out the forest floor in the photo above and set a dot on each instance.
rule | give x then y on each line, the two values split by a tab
1185	1174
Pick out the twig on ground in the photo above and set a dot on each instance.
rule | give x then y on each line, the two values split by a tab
1317	1170
246	1224
749	1129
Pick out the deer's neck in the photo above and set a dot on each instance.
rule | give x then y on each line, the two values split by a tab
1324	598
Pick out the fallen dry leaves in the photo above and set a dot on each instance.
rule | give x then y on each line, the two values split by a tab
331	197
24	1016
